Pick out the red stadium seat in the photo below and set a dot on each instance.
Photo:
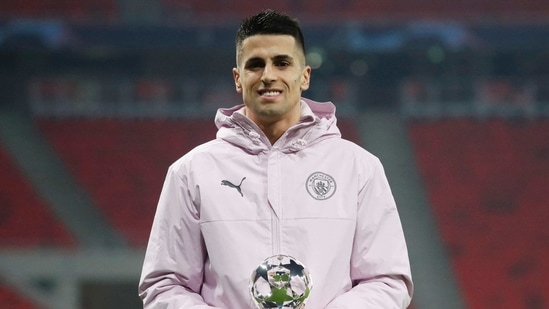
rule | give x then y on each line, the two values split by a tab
360	9
12	300
122	163
25	220
88	10
486	181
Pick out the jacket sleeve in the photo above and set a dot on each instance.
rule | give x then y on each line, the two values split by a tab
173	268
380	267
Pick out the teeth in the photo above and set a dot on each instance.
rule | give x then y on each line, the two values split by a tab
271	93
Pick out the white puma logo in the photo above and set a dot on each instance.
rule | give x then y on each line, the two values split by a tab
230	184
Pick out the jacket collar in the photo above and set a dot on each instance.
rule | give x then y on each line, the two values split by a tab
317	122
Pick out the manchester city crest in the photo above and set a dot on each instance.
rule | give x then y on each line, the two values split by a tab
321	186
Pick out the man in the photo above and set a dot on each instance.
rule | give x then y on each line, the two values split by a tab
278	179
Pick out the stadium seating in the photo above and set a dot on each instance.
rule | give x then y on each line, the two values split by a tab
108	10
25	220
122	163
348	129
12	300
486	181
90	10
345	9
213	7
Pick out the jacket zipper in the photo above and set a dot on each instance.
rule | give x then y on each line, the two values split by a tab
274	178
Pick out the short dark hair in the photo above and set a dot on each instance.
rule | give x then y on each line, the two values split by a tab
270	22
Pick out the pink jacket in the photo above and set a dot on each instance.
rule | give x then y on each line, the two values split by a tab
230	203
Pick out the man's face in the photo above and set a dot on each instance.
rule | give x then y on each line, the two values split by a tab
271	74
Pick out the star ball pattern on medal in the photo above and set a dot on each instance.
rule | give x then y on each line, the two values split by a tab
281	282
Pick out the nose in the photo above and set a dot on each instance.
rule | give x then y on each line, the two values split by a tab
269	74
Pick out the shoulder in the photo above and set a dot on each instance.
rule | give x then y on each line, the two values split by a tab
198	154
351	148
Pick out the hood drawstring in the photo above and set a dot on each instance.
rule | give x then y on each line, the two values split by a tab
254	136
300	143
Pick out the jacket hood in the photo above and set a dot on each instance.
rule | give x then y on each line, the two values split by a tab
318	122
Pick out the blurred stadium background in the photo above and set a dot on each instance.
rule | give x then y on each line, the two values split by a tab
98	97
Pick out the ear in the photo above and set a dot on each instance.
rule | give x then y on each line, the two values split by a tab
306	78
236	76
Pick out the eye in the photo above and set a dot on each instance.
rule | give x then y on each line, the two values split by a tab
283	63
254	64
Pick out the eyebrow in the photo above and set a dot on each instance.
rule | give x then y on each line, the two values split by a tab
275	58
282	57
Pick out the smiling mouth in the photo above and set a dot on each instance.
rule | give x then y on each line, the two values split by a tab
269	93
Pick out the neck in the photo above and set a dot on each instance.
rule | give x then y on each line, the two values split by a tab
273	132
274	128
